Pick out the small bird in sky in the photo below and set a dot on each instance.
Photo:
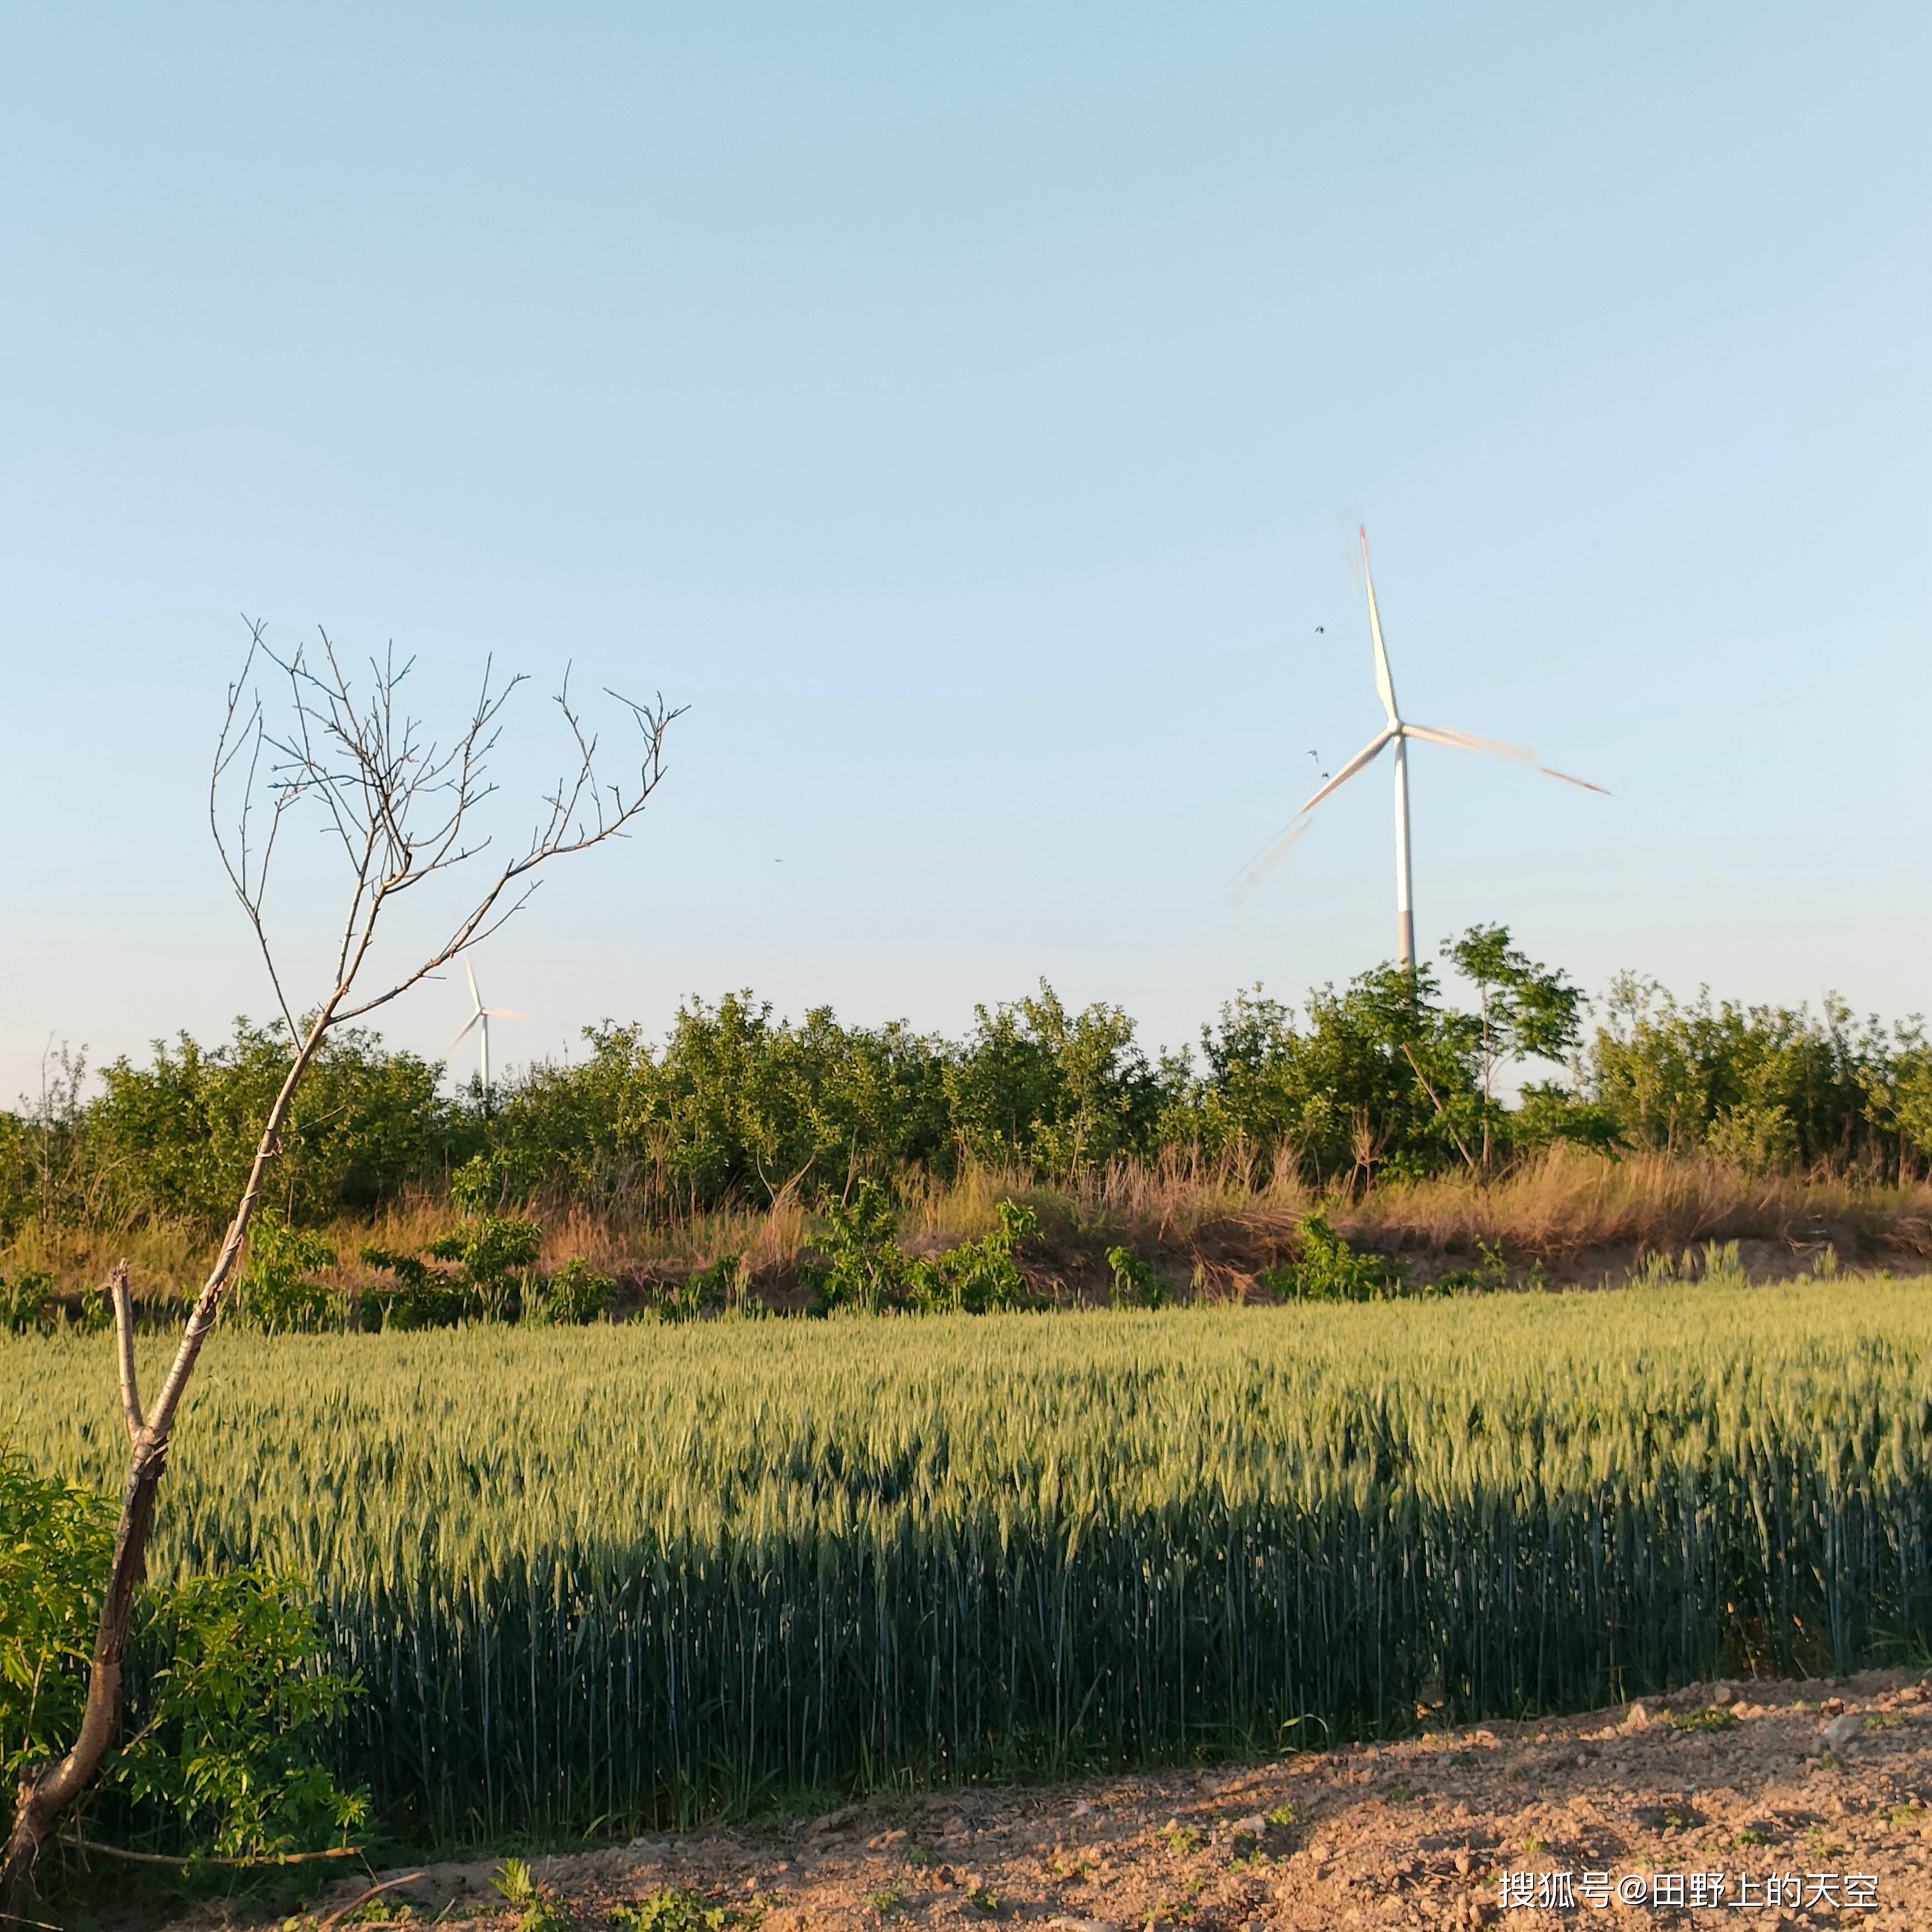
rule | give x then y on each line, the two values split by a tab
1320	628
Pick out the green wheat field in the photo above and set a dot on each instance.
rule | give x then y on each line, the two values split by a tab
633	1573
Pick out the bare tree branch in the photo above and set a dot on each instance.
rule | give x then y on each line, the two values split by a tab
243	731
403	810
124	1342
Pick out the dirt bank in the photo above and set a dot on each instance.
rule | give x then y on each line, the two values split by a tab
1811	1797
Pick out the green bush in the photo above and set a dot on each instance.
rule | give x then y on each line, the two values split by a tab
495	1256
222	1730
576	1294
487	1270
422	1297
979	1277
174	1139
1490	1273
56	1541
274	1294
1135	1285
1328	1269
225	1696
724	1284
541	1911
864	1269
23	1301
1384	1076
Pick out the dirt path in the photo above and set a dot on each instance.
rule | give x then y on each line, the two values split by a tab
1814	1795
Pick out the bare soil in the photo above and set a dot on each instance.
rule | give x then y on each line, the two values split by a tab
1813	1785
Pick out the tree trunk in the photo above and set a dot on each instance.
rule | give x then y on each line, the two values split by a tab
46	1791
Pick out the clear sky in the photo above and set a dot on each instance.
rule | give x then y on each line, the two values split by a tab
966	412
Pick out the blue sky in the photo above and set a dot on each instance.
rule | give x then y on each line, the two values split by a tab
966	415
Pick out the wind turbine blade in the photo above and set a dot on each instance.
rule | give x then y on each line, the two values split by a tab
1368	753
476	997
1468	741
1384	684
1521	755
1550	772
1265	860
505	1013
462	1036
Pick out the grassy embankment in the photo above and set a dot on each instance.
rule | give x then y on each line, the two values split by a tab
1573	1216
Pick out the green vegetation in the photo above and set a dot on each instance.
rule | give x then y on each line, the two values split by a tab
867	1272
1135	1284
1710	1720
1382	1080
227	1698
636	1572
539	1910
681	1909
1328	1270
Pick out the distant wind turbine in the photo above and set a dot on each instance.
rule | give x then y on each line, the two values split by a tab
481	1018
1398	732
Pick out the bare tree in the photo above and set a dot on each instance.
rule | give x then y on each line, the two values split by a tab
404	810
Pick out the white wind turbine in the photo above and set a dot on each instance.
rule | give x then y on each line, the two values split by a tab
1397	732
481	1018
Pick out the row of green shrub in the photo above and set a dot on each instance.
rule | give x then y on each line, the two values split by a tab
1384	1077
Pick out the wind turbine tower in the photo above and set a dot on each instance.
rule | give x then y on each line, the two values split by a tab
1397	732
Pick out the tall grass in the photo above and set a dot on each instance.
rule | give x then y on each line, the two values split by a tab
1568	1199
630	1574
1214	1221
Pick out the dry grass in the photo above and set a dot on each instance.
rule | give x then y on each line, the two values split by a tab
1564	1204
163	1257
1567	1201
1210	1224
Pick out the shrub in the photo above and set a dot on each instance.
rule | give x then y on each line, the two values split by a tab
274	1293
495	1255
1490	1273
225	1696
725	1283
222	1732
56	1541
864	1267
1328	1270
866	1270
576	1294
487	1270
979	1277
541	1911
175	1138
23	1301
422	1298
1135	1285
